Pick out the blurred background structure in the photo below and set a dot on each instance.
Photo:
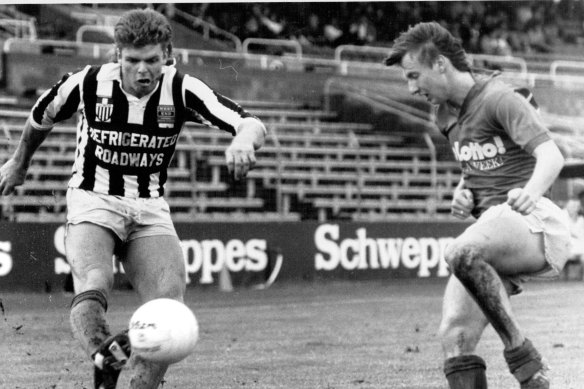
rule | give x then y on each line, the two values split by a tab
346	141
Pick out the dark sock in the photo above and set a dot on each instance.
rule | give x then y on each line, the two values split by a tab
88	321
523	361
466	372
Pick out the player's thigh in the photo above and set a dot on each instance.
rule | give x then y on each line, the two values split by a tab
507	243
90	249
155	266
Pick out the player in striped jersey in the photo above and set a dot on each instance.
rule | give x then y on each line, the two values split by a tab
509	162
131	115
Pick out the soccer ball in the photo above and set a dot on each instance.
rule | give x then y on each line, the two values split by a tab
163	330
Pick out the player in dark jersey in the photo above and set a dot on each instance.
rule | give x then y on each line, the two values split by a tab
131	115
509	162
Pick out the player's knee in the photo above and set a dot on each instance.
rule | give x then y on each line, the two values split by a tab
458	335
95	276
171	290
461	258
458	339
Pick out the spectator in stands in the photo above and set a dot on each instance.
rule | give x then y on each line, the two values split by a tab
362	30
509	161
132	113
494	41
272	26
573	209
312	34
333	33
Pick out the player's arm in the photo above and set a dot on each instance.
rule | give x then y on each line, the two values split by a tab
519	116
218	110
13	172
549	163
240	155
56	104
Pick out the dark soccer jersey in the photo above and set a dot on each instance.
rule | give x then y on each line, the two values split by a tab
125	143
493	139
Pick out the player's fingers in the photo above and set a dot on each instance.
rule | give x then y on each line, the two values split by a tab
230	161
525	208
246	165
6	188
238	171
239	166
460	203
252	160
467	195
514	197
459	213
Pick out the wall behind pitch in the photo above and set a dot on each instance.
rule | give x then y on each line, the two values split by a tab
32	256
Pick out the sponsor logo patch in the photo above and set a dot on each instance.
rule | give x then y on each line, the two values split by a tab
166	116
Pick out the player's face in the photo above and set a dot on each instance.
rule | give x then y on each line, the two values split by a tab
423	80
141	68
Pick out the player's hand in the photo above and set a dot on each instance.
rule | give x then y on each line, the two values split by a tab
240	159
521	201
462	203
11	176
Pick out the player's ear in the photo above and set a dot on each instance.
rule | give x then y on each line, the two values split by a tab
170	60
440	63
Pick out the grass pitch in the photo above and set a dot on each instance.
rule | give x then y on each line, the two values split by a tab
307	335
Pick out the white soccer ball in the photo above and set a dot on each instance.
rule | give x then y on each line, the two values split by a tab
163	330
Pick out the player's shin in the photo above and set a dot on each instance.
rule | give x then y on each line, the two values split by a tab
466	372
87	318
146	374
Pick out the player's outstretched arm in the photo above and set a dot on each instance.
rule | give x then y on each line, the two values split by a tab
13	172
240	155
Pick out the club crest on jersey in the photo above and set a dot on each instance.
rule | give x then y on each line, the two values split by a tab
166	116
103	110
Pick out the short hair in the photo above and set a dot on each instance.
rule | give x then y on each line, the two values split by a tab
142	27
430	40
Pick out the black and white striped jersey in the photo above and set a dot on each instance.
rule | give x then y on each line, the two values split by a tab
125	143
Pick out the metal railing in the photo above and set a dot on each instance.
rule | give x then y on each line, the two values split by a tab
386	104
20	28
294	58
506	61
209	30
279	43
106	30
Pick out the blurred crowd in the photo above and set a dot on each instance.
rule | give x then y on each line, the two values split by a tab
488	27
495	27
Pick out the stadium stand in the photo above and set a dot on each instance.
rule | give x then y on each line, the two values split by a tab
307	161
356	147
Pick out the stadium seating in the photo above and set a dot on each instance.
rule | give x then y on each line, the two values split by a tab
312	167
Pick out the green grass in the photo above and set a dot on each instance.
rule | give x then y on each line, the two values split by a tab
305	335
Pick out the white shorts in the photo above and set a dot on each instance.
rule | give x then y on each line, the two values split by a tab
552	222
128	218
